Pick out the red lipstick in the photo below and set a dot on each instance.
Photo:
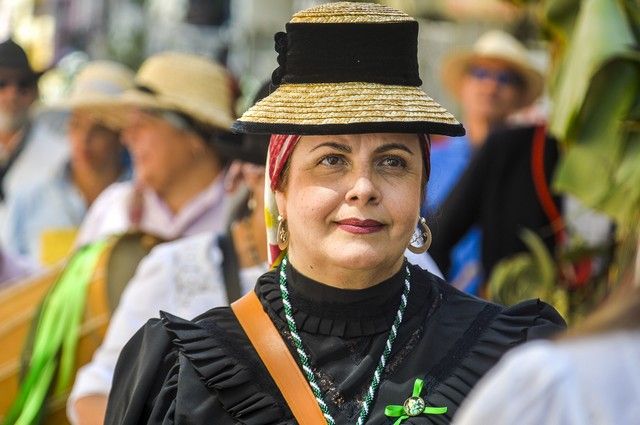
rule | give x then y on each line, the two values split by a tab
359	227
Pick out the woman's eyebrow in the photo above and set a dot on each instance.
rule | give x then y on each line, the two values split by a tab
338	146
391	146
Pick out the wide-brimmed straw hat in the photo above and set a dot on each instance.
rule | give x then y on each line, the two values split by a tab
189	84
500	46
348	68
94	89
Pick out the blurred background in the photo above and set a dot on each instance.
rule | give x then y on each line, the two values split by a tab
238	33
588	116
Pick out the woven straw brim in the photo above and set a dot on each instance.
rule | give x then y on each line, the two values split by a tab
103	109
117	109
350	13
352	107
114	112
455	68
204	112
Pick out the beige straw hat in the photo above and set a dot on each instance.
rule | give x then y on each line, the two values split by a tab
348	68
500	46
188	84
95	88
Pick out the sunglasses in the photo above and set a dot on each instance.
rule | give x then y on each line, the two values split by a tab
176	119
23	84
503	78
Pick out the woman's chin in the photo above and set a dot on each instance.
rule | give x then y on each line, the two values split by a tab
366	258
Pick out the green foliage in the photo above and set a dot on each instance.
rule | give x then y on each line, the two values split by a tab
595	92
528	275
595	96
539	274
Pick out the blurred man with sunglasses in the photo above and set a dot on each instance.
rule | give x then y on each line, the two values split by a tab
18	90
26	154
491	82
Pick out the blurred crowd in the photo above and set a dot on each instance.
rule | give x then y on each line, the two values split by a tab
150	153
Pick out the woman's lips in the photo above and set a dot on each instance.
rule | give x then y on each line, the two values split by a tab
357	226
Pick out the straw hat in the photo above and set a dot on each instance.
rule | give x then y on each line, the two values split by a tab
500	46
348	68
94	89
185	83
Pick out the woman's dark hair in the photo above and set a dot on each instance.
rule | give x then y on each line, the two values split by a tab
211	136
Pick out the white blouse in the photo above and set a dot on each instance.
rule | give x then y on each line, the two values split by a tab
109	214
594	381
183	278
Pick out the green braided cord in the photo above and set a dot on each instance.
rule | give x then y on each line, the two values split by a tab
304	358
375	381
56	336
302	355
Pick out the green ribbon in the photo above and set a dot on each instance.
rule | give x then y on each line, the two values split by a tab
56	337
396	411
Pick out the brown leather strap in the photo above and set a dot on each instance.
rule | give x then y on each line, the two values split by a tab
275	355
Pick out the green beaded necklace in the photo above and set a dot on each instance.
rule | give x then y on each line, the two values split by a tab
304	358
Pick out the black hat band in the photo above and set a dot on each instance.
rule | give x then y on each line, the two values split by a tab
335	53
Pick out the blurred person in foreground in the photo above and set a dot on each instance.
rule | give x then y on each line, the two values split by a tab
590	376
27	151
491	82
180	107
44	218
188	276
367	337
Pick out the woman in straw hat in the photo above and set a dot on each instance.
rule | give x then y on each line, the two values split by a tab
343	329
53	209
180	107
187	276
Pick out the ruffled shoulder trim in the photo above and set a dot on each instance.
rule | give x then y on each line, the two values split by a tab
235	375
494	331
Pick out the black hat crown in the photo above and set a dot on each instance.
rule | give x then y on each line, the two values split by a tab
13	56
348	68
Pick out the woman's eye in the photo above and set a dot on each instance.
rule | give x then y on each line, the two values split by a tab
332	160
393	162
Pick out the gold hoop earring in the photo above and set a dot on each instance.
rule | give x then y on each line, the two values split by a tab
425	234
282	233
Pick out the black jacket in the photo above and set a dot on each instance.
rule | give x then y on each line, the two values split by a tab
497	193
205	371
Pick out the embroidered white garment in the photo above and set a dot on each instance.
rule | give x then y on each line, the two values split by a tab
183	278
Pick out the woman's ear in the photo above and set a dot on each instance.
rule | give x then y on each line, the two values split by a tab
281	202
197	146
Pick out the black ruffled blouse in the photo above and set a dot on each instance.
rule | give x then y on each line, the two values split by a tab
205	371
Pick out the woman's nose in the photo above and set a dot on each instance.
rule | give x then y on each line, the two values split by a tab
128	135
363	190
